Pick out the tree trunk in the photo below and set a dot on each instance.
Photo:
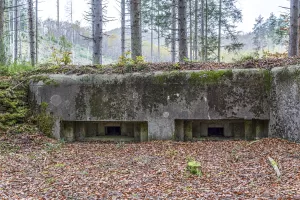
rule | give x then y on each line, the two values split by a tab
173	39
158	44
16	31
196	31
206	31
152	1
191	30
36	31
93	19
158	31
136	31
293	29
298	44
123	13
202	31
11	27
31	32
57	22
219	34
20	57
183	53
2	48
98	31
73	36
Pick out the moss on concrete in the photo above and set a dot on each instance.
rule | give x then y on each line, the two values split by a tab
267	80
286	74
209	77
170	77
45	121
45	79
188	131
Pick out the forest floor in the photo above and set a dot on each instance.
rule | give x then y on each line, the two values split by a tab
35	167
144	67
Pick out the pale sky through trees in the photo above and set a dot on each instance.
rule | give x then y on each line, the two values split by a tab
251	10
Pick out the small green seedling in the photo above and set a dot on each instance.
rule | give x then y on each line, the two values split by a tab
194	167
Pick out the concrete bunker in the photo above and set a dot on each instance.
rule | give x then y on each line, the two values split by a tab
237	129
182	105
104	131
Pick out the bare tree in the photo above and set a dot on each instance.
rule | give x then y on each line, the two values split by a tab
293	28
174	28
219	34
202	31
2	49
158	30
31	32
152	27
70	14
58	25
98	31
206	31
136	31
36	30
182	26
196	31
123	24
191	30
16	19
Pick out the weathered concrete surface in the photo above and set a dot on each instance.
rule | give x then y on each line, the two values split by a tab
157	98
285	103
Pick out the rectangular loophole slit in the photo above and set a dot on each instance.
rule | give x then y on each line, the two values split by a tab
113	130
215	132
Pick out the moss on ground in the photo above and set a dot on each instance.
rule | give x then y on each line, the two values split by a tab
13	104
15	115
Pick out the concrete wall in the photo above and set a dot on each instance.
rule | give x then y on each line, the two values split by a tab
158	98
285	103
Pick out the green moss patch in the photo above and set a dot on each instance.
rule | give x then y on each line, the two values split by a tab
13	104
210	77
45	121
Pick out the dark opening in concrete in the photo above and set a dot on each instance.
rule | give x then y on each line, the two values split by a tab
216	132
113	130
